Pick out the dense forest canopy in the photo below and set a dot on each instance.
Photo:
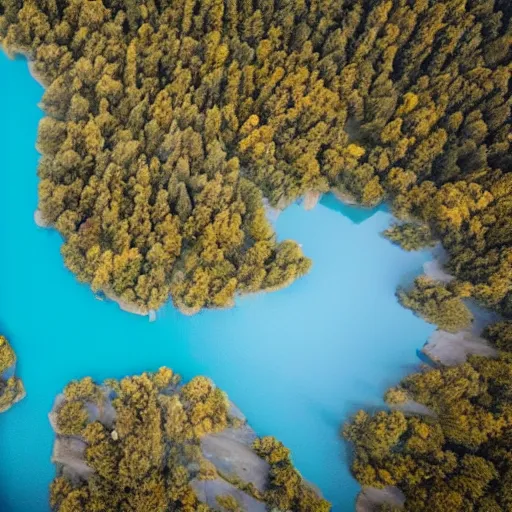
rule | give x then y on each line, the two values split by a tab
141	438
169	121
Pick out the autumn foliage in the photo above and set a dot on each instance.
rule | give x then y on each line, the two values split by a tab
169	121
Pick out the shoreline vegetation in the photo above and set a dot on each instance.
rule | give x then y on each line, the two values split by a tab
156	176
150	442
183	116
183	308
11	387
451	347
485	335
451	449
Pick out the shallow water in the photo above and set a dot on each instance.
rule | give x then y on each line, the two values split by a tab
297	362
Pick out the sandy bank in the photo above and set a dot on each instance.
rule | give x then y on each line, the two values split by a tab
435	267
207	492
230	451
345	197
69	452
235	460
311	199
127	306
370	498
235	413
412	407
454	348
243	434
39	220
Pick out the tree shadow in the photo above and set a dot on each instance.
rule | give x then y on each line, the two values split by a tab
356	214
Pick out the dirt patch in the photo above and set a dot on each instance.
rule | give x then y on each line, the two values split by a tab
234	459
370	498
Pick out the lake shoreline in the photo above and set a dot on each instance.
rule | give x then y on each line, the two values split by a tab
40	220
268	342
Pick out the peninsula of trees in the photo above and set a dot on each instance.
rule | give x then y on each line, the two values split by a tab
11	387
148	443
438	303
169	121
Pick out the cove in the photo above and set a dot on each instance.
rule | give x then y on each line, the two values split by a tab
297	362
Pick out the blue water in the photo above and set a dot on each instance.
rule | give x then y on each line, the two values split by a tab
297	362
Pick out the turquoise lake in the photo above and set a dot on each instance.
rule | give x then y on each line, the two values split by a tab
297	362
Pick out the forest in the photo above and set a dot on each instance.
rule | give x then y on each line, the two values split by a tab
448	95
456	457
142	449
170	122
11	387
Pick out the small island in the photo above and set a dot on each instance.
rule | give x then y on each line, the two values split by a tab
151	443
11	387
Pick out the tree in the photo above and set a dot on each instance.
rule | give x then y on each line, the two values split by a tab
11	387
438	303
410	236
7	356
500	335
